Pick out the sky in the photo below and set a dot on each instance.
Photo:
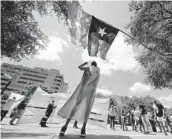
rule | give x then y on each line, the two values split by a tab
121	74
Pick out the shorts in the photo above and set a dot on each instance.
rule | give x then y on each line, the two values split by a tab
159	119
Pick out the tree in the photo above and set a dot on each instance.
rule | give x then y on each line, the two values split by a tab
20	33
152	26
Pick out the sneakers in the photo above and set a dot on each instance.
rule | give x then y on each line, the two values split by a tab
165	134
147	132
83	134
62	132
44	126
11	123
76	127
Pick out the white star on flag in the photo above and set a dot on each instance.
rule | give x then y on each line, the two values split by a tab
102	31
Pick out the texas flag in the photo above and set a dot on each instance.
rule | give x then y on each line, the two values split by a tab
100	37
87	31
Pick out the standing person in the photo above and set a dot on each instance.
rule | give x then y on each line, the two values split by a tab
143	118
20	109
123	118
132	120
47	114
79	105
165	123
168	124
138	122
114	116
150	117
110	117
159	111
112	113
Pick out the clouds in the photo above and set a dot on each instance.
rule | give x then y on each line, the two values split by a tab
166	101
119	57
54	48
104	92
139	89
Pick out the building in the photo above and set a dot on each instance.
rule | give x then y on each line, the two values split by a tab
49	79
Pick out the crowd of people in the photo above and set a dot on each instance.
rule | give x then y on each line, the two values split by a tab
142	119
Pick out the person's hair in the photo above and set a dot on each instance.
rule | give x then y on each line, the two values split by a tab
149	110
94	63
155	102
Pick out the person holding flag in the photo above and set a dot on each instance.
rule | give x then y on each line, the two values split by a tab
79	105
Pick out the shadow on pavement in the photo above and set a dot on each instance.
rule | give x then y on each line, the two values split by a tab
90	136
21	135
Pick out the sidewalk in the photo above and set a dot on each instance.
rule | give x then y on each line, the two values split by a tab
36	132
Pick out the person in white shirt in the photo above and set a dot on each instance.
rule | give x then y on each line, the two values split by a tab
138	122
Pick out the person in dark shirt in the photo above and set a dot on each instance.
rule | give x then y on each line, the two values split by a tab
143	118
159	112
47	114
20	109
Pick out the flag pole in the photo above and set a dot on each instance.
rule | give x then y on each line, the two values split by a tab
162	55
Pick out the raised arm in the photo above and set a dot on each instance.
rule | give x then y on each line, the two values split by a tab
81	66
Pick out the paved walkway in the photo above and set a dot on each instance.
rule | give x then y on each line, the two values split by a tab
93	132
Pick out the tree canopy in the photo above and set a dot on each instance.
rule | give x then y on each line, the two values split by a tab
21	35
151	25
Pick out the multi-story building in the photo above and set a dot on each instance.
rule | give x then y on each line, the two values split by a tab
51	79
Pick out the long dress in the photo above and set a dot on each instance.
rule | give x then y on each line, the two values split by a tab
79	105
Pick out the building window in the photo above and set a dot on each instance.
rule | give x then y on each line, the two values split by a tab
9	89
57	88
18	68
59	77
4	79
57	80
3	83
31	71
4	66
31	79
11	71
22	82
34	76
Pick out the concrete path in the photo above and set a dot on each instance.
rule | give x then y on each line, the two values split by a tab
93	132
